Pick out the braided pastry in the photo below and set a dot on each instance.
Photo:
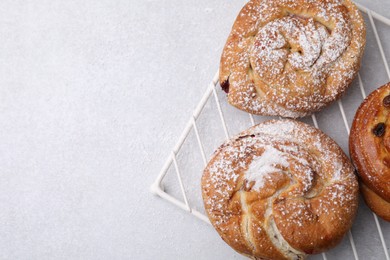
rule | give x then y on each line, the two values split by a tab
291	57
369	145
280	190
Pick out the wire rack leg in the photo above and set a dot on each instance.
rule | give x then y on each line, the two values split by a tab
314	118
220	113
379	43
252	119
199	141
381	235
361	86
180	181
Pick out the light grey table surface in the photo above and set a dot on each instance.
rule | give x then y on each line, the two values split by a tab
93	96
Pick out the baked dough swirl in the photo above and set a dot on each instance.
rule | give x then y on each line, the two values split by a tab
280	190
291	57
369	145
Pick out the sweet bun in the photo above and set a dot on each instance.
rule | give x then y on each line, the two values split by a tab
291	57
369	145
280	190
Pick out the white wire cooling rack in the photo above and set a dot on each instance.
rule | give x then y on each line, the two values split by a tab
372	243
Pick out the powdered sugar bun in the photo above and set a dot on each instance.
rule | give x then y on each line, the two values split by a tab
280	190
291	57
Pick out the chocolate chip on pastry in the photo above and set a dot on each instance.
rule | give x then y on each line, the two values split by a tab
280	190
369	145
291	57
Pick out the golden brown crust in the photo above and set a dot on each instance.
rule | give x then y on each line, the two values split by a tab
376	203
291	57
369	145
280	190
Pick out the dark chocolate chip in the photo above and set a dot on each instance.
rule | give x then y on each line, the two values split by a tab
225	85
379	129
386	101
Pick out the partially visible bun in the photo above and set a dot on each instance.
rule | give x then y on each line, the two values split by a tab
280	190
369	145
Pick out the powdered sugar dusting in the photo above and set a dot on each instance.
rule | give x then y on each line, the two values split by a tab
264	165
337	172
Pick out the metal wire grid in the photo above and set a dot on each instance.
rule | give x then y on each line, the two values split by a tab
157	188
